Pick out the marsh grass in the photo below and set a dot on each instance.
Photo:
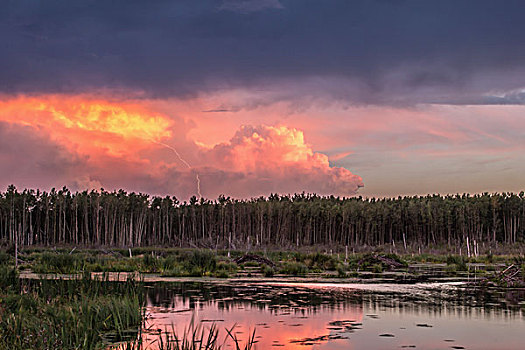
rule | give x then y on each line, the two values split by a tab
267	271
294	268
9	279
194	262
198	263
60	263
81	313
194	337
174	263
459	263
319	261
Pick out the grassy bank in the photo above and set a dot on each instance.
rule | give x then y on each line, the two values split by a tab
83	313
175	262
88	313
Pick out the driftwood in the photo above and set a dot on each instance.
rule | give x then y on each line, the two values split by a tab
510	277
109	252
252	257
376	258
388	261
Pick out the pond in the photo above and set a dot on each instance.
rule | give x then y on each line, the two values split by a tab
341	316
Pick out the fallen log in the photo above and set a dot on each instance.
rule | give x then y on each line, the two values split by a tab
253	257
387	262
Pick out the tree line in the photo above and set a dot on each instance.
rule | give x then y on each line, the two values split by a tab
119	218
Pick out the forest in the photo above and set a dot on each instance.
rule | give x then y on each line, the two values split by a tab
122	219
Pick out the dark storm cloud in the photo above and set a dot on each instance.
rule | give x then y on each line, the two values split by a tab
247	6
33	159
379	51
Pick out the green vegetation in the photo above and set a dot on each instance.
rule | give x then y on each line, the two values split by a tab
184	262
83	313
293	268
267	271
174	262
188	262
89	313
5	258
194	337
341	272
60	263
199	338
318	262
458	262
197	263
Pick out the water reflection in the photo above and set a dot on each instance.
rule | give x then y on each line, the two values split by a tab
336	317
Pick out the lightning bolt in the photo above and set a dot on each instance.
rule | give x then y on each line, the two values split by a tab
183	161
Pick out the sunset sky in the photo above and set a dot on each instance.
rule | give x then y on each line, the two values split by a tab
252	97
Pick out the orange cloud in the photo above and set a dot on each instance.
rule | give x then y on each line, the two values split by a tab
87	123
127	144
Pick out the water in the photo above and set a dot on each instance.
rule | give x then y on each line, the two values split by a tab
337	316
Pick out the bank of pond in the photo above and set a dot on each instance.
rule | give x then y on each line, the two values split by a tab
103	312
175	262
205	299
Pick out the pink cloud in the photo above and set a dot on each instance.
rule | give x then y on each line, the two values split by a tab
88	142
265	159
93	143
339	156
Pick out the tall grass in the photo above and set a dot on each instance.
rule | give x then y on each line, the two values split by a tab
194	337
84	313
195	263
459	263
89	313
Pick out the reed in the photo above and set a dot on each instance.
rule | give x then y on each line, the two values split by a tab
175	262
82	313
194	337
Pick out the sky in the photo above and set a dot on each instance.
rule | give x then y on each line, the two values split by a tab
250	97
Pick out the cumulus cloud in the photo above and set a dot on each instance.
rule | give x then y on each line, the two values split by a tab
255	161
267	159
